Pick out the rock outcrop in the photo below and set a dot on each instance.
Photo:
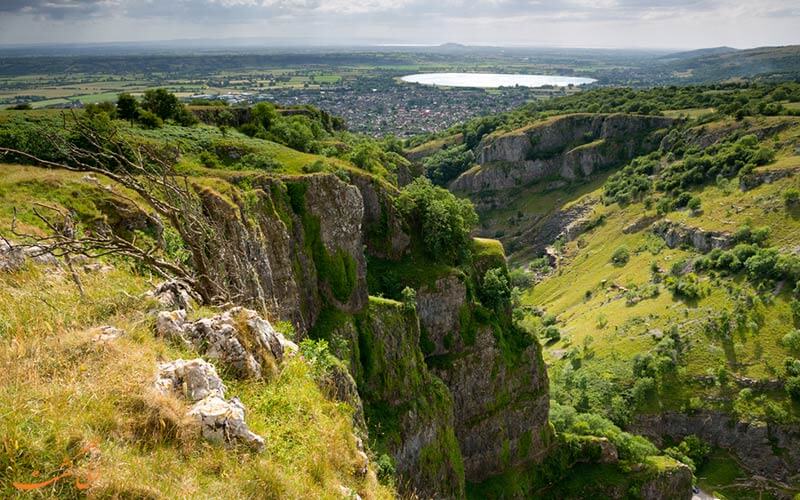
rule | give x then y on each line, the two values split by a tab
382	225
676	235
564	224
671	482
767	450
409	409
498	397
757	178
567	147
13	257
174	294
239	339
296	245
221	421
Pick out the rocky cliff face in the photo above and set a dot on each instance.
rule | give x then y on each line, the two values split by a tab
765	450
500	398
409	410
568	147
676	235
297	244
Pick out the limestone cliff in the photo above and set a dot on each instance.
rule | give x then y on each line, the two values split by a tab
566	147
297	243
500	390
409	410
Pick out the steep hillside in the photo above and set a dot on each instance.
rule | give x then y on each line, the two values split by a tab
666	295
297	248
563	148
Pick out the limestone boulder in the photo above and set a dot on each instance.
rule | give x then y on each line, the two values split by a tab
221	421
174	294
239	338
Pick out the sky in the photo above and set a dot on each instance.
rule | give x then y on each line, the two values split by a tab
678	24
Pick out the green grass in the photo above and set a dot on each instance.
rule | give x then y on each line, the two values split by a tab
62	392
605	331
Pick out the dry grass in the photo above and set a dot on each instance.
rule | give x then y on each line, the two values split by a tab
71	404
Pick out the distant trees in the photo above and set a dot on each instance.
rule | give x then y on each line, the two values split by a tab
127	107
158	105
445	165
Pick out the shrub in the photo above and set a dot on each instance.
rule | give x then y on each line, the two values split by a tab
495	291
792	340
385	469
209	159
552	333
792	386
621	256
409	299
520	278
256	161
443	221
148	119
791	197
687	287
447	164
694	204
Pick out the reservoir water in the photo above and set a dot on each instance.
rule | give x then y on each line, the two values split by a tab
494	80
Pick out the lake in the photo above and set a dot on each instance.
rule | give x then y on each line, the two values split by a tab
494	80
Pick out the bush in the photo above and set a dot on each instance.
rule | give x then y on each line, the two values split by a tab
409	299
256	161
447	164
792	340
443	221
792	386
687	287
694	204
621	256
791	197
385	469
495	291
630	447
148	119
208	159
552	333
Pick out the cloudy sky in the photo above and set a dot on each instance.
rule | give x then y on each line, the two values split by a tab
570	23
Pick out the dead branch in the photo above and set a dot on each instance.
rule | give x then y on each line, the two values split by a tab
154	180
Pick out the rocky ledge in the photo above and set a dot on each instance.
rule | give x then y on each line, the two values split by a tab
566	147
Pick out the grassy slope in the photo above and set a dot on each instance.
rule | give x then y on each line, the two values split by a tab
626	327
61	391
597	323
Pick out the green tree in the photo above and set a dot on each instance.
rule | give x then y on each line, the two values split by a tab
162	103
495	291
127	107
264	115
443	221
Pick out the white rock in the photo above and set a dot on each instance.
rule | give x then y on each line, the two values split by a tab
223	422
239	338
171	325
220	421
194	379
348	493
173	294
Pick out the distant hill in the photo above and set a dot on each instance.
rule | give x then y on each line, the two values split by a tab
720	65
691	54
